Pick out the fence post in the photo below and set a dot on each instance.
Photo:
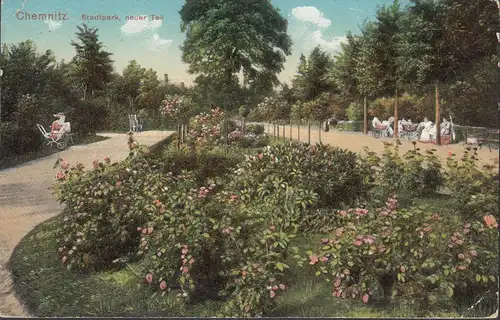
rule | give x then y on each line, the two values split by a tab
278	131
178	136
320	127
365	117
309	131
298	130
291	123
284	128
396	116
438	117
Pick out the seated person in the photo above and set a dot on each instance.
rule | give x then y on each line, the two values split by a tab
57	127
445	127
376	122
390	125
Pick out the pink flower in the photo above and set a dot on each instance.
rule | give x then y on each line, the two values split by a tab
64	165
462	268
357	243
402	269
184	251
490	221
282	286
272	294
234	197
191	261
118	183
324	259
260	156
272	228
106	159
275	288
64	259
314	259
339	232
162	210
60	176
95	164
185	269
337	283
163	285
325	241
139	228
342	213
365	298
149	278
473	253
461	256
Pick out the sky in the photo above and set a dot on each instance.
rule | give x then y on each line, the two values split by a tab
155	41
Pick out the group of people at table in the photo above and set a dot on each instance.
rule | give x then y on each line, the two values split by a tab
426	128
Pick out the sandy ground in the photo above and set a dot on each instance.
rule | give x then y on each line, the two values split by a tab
355	141
26	199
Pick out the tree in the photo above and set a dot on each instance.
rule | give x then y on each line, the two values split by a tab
224	37
131	82
25	72
344	69
148	91
313	76
92	65
376	70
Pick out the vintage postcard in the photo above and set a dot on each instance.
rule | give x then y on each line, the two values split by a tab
249	158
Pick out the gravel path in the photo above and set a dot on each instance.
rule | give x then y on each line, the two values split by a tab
355	141
26	199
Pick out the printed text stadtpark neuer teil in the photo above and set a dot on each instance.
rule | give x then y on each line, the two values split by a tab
60	16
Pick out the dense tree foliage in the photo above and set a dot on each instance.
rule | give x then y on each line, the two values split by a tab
226	37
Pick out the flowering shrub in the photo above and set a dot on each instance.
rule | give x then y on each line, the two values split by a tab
206	129
331	173
387	253
273	109
416	173
474	190
212	240
176	107
102	208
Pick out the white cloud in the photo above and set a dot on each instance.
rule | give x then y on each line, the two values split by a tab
138	26
53	25
333	45
156	43
312	15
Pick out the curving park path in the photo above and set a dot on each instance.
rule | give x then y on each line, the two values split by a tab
26	198
355	141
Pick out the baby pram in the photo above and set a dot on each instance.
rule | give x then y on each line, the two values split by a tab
60	133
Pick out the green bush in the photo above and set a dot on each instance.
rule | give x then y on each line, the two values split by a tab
89	116
17	140
103	207
332	173
414	173
256	129
386	254
474	190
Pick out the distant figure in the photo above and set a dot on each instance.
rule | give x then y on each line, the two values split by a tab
445	127
376	122
332	121
428	129
57	127
389	123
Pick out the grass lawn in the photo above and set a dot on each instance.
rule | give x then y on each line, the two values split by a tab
50	290
12	161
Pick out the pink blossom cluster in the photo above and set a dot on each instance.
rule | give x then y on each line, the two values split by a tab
274	286
187	260
367	239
